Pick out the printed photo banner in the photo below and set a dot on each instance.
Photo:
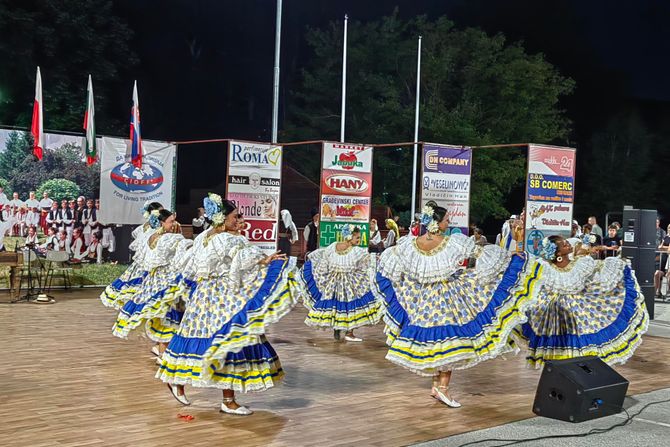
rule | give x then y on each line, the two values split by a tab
446	179
125	188
346	190
550	188
254	184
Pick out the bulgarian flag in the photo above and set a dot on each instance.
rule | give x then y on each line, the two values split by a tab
36	127
135	135
90	150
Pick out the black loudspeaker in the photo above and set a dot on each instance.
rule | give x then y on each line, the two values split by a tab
647	229
643	262
579	389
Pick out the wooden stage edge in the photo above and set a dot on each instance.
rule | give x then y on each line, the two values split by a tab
66	381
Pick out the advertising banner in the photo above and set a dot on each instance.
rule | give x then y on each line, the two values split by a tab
446	179
346	190
550	193
125	188
254	184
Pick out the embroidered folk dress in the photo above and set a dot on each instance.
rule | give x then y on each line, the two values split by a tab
156	303
443	316
128	284
338	288
221	340
589	308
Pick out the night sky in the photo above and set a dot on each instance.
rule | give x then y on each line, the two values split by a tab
206	66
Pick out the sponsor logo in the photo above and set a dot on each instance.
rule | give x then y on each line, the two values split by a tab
347	183
564	164
347	160
131	179
256	156
253	180
533	241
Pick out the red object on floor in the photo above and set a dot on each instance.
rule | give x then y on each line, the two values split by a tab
185	417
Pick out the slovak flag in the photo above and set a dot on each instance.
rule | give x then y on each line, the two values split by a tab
136	151
36	127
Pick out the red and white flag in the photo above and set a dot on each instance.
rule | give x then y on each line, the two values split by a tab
90	149
136	152
37	127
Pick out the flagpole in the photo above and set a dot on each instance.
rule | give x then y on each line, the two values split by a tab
344	79
416	127
275	86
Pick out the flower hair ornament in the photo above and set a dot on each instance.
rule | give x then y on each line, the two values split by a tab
588	239
427	220
145	210
347	232
154	221
548	249
213	205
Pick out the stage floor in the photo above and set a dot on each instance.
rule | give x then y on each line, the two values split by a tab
66	381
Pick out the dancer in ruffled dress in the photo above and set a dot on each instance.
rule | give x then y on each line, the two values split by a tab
236	292
125	286
442	316
157	305
583	307
338	286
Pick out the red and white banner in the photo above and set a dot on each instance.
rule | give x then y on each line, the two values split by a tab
37	125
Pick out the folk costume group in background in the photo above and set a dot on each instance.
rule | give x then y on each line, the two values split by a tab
447	302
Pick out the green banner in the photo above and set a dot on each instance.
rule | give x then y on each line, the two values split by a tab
330	232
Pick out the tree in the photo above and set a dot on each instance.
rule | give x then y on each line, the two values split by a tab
68	40
620	169
65	161
59	189
17	149
476	90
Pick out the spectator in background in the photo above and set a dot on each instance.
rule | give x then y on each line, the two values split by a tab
79	212
94	250
660	233
77	247
200	223
31	239
595	228
52	219
393	234
89	219
375	245
311	233
612	243
479	237
288	233
619	230
45	206
663	268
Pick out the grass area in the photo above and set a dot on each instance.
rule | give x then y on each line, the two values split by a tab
82	274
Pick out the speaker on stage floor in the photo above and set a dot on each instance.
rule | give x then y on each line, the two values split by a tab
579	389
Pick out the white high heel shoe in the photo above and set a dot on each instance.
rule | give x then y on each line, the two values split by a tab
155	351
180	398
240	411
439	393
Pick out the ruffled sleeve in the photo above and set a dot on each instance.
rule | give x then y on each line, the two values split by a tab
245	261
165	250
182	255
491	261
609	273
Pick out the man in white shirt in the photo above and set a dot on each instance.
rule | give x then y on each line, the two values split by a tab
32	202
16	203
45	206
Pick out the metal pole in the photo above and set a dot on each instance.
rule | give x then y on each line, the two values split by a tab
275	86
416	128
344	80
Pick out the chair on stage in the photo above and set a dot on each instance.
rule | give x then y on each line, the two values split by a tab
57	264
